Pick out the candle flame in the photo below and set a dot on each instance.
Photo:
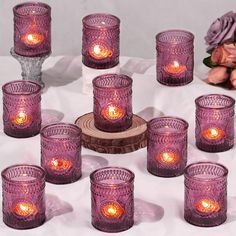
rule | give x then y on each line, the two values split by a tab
32	39
25	209
113	112
60	164
168	158
175	68
112	210
100	52
97	49
213	133
176	64
207	205
21	119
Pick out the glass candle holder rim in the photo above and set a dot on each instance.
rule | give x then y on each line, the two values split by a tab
31	181
197	101
191	38
43	130
37	91
188	176
85	18
157	119
26	4
129	181
126	77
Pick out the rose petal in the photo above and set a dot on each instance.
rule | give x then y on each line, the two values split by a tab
230	14
233	78
217	75
230	47
230	35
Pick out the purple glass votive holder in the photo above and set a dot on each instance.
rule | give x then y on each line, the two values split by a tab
214	130
112	199
167	146
23	196
21	108
32	29
100	48
205	201
61	152
175	57
112	106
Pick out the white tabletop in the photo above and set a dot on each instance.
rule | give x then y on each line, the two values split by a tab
158	201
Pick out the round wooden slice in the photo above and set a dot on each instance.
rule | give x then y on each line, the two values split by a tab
126	141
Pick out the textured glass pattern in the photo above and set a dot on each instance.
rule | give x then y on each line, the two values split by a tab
101	42
61	152
23	196
112	106
167	146
112	199
214	129
21	108
205	201
175	57
32	29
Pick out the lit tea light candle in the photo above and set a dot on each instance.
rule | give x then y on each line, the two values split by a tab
22	119
168	158
32	39
100	52
112	210
25	209
60	165
213	133
113	112
175	68
207	205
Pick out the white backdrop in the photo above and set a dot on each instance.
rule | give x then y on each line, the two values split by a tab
140	21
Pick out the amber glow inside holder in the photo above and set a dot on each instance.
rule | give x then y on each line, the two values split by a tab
112	102
100	48
214	129
112	199
32	38
21	108
175	57
23	196
205	201
167	146
61	152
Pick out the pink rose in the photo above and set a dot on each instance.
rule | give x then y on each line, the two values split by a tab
218	75
225	55
222	30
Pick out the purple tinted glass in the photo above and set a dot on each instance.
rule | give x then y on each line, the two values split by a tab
100	49
61	152
23	196
112	199
205	194
214	130
175	57
112	106
21	108
32	29
167	146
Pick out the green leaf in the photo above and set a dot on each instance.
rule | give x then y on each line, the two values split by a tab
208	62
211	50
